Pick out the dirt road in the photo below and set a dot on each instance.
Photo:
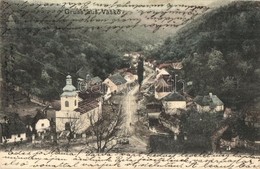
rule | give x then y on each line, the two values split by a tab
130	106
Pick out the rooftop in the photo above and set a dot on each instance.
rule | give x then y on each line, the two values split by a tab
174	96
87	105
117	79
69	89
95	80
208	100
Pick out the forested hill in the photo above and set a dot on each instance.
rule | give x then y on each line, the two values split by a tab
227	28
42	60
220	51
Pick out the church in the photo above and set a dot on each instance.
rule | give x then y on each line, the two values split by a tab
75	113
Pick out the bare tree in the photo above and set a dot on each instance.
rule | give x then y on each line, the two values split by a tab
106	128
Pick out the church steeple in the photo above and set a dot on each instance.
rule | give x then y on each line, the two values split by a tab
69	87
69	97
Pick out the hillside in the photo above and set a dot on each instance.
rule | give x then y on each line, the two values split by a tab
39	61
220	52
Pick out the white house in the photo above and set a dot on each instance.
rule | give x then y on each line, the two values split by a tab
209	103
74	115
42	125
173	102
130	78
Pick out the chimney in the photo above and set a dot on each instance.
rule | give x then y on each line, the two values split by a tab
210	95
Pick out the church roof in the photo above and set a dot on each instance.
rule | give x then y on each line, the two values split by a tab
69	89
87	105
73	93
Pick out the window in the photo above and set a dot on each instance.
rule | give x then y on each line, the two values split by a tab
19	135
66	103
75	102
42	124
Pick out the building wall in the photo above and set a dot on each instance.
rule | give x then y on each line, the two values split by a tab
71	100
203	108
84	120
220	108
62	117
42	124
174	104
154	115
17	138
160	95
208	109
111	85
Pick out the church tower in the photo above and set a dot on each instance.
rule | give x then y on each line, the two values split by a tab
69	97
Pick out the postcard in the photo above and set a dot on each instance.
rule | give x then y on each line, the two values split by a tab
129	84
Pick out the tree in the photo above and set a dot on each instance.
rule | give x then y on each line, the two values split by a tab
140	71
106	128
216	61
228	84
200	126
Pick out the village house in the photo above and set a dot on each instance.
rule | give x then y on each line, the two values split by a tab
153	110
42	125
163	87
95	81
161	72
149	63
173	102
116	83
74	114
170	122
165	67
209	103
135	56
130	78
12	129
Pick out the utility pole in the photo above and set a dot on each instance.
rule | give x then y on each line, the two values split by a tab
175	82
182	81
171	80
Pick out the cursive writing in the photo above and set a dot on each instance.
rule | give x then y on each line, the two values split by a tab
81	159
89	16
